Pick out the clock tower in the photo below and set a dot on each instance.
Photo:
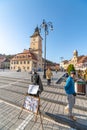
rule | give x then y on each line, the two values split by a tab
36	46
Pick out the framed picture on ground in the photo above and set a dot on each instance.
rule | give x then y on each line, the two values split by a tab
31	103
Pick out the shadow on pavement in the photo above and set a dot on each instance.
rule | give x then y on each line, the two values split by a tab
78	124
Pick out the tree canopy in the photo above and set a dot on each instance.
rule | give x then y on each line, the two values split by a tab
70	68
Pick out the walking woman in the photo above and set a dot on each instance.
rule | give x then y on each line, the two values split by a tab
70	91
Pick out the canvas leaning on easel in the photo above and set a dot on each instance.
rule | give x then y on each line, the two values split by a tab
32	102
33	89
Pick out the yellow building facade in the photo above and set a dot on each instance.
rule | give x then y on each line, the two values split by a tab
79	62
29	59
73	61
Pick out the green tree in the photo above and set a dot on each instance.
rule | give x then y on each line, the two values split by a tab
70	68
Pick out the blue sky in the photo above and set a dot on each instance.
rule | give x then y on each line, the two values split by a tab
19	18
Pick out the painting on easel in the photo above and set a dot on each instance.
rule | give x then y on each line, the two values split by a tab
33	89
31	103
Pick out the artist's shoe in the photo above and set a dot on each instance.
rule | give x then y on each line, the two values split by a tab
72	118
66	110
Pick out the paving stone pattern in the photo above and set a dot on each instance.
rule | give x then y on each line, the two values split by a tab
14	85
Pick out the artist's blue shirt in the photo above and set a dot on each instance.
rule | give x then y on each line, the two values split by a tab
69	87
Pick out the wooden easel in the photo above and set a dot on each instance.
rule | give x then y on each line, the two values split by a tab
38	110
39	113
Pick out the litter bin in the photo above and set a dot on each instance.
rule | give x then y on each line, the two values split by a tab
86	89
81	87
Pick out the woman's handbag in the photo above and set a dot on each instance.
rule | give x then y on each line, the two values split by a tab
74	94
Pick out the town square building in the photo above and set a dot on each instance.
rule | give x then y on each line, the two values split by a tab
79	62
29	59
4	62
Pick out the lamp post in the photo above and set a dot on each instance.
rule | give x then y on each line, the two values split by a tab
46	26
62	58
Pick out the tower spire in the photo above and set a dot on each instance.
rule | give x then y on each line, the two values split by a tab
36	32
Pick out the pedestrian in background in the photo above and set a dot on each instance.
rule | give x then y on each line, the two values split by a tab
70	91
49	75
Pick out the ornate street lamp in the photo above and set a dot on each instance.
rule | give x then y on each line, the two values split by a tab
46	26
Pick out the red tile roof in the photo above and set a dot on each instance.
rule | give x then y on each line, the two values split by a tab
2	59
25	55
82	59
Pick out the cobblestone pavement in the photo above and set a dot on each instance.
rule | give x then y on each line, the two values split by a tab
9	120
14	85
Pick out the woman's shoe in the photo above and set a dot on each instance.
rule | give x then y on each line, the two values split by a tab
66	110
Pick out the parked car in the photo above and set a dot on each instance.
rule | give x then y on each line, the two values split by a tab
19	70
